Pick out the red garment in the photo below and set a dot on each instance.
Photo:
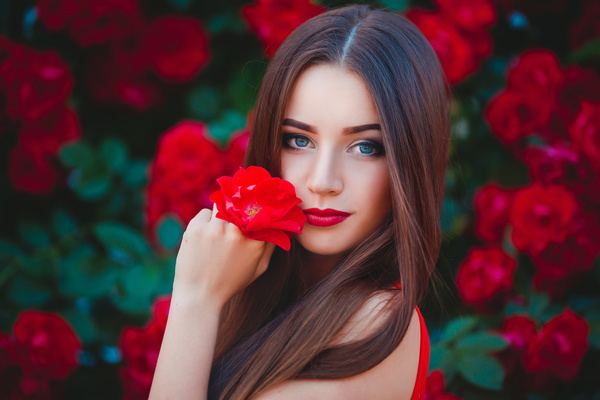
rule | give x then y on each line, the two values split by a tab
420	383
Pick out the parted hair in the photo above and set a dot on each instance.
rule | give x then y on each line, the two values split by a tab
277	329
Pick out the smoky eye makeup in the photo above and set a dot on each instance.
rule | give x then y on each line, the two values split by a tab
295	141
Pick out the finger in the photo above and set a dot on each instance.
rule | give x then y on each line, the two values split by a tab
201	218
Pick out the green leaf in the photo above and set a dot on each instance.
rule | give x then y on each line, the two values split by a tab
458	327
33	234
63	223
538	303
481	370
136	174
140	283
593	320
28	293
590	50
118	237
114	154
76	155
10	251
90	184
481	342
82	324
396	5
170	232
84	274
204	103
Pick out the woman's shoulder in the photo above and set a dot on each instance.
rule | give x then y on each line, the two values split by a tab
393	378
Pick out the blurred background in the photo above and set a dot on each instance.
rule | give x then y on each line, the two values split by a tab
117	116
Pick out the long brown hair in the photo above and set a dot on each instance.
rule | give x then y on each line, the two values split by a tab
276	330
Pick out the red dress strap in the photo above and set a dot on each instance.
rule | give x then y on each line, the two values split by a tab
420	383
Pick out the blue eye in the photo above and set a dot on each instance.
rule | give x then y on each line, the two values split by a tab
371	149
294	141
301	141
366	148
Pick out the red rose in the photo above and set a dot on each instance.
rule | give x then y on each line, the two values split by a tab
140	347
562	264
540	215
178	47
436	386
453	49
559	347
183	173
99	21
49	133
536	70
519	331
470	15
580	84
35	84
45	345
274	20
492	205
264	208
116	78
485	274
513	115
30	171
585	133
552	164
57	14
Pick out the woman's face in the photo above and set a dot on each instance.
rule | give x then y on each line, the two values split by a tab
333	154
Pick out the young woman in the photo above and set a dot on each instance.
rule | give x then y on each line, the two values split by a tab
353	111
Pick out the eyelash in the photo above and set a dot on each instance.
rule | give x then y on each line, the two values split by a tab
378	149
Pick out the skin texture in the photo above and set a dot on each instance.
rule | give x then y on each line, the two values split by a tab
330	169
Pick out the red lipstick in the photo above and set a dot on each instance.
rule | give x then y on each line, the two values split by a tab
324	218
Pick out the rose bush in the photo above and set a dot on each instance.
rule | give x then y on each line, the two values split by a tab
264	208
117	117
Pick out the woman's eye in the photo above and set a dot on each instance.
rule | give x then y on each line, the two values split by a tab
295	141
369	148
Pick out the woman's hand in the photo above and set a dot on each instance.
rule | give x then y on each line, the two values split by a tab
216	261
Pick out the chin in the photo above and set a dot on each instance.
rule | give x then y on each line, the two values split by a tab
324	243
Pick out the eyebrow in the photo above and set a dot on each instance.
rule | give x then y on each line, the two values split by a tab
347	131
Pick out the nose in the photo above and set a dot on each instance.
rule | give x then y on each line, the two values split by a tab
325	174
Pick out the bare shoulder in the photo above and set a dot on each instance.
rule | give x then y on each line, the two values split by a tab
393	378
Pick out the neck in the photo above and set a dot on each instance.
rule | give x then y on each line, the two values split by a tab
316	266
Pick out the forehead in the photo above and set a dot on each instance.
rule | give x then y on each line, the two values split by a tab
327	95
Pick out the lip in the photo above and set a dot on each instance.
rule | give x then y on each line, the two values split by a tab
324	218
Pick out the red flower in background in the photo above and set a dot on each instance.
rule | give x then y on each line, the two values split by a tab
559	347
177	47
562	264
492	207
34	84
30	171
436	386
470	15
49	133
100	21
46	347
57	14
453	49
140	347
585	134
485	275
183	173
274	20
185	170
264	208
514	115
536	70
580	84
540	215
